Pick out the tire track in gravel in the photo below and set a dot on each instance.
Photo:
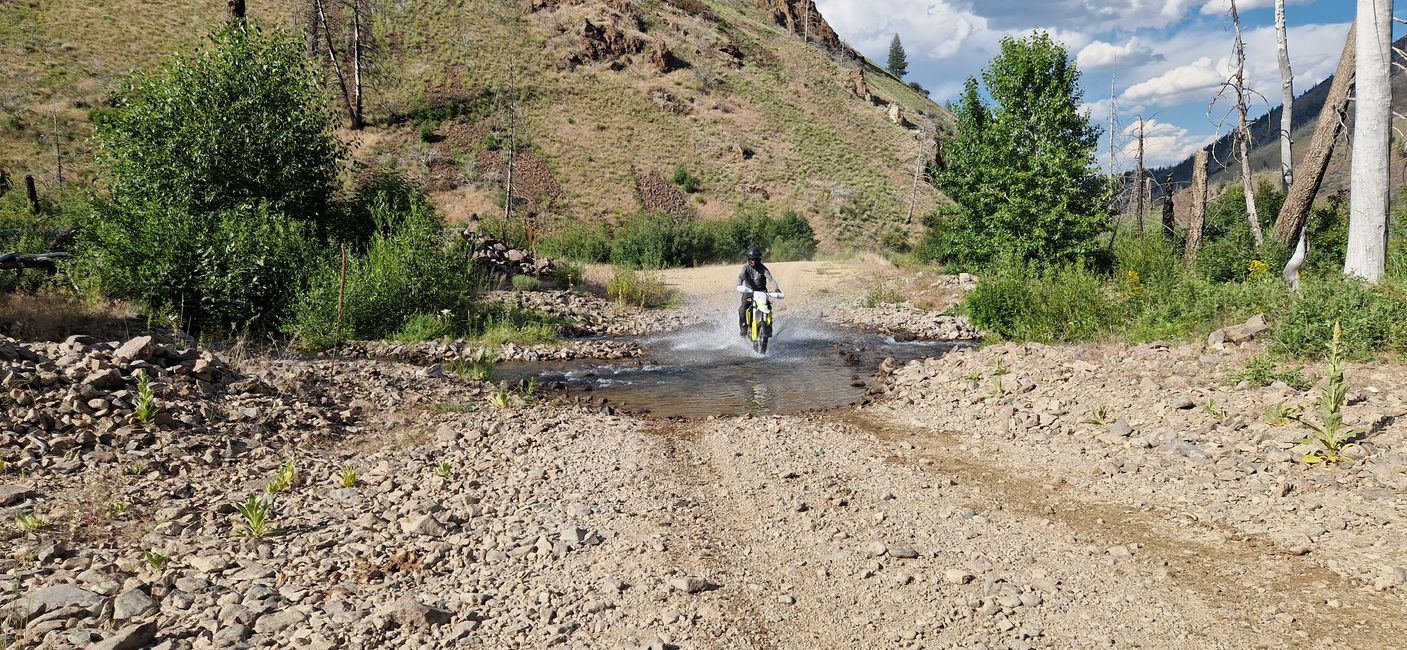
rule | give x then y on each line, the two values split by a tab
1243	575
714	541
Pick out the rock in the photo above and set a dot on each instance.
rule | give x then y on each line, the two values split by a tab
410	612
689	585
128	638
277	622
1236	334
1183	403
48	599
137	349
12	494
433	372
957	577
210	563
876	549
1121	428
132	603
903	552
105	379
424	525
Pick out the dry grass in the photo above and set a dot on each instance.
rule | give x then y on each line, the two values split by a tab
54	317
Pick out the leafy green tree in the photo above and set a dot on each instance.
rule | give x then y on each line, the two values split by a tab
244	121
221	168
898	59
1021	170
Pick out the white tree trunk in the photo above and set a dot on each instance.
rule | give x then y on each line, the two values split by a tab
1291	273
1243	128
1287	96
1372	135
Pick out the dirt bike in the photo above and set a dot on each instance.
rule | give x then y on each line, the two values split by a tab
759	318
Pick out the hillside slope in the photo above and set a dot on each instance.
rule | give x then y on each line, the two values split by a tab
760	102
1265	146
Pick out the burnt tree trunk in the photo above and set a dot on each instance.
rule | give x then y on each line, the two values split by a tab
1198	214
1168	231
32	193
1295	211
236	9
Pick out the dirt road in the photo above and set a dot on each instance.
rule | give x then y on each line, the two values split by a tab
483	519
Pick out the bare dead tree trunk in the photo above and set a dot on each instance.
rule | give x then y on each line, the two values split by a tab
1295	212
332	56
1291	273
1287	99
310	14
919	159
1370	198
58	154
512	110
236	10
1168	226
1141	200
1198	215
1243	128
357	51
31	193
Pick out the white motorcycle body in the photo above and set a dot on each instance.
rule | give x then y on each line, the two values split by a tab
762	316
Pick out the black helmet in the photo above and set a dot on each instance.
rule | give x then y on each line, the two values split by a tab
754	253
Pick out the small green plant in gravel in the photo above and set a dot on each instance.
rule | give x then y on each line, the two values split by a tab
997	387
1329	433
445	470
156	560
1261	371
1217	413
287	473
256	517
30	522
137	469
477	366
348	477
1100	417
1280	415
118	508
500	400
883	292
146	408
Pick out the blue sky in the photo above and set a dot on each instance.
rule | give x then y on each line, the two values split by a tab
1166	59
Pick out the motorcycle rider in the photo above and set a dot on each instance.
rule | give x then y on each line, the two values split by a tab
755	277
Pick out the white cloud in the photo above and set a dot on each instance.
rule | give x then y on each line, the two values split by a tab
1091	16
1163	143
1186	83
1100	55
1214	7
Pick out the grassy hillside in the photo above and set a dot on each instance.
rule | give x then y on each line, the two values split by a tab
754	111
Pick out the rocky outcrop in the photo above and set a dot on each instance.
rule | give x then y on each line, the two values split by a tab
498	257
664	60
660	195
803	19
609	44
855	81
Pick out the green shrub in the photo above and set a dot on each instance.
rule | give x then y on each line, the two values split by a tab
232	269
526	283
423	327
659	241
1374	319
577	240
685	180
638	289
407	270
243	122
506	324
791	238
566	275
1020	301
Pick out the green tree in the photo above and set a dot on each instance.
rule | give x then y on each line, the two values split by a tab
220	168
244	121
1020	171
898	59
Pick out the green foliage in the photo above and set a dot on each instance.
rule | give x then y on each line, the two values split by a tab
883	291
566	275
30	522
1372	319
444	470
145	409
283	480
407	269
686	181
256	517
476	366
1021	301
1229	247
526	283
638	289
578	240
505	324
244	122
1021	171
156	560
423	327
659	241
348	477
1329	433
1262	371
234	268
898	64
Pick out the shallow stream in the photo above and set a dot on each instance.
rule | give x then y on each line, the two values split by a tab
710	370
